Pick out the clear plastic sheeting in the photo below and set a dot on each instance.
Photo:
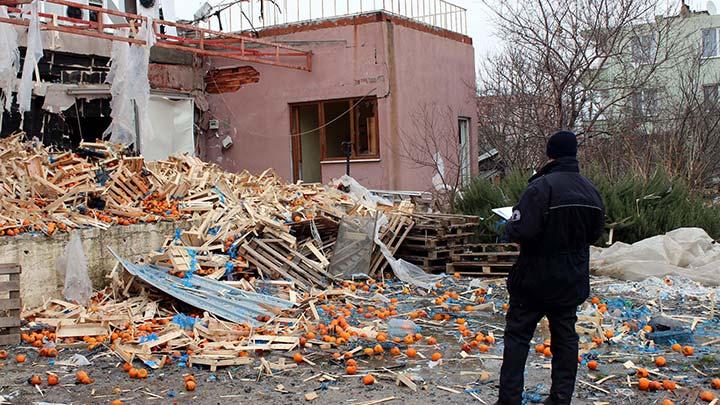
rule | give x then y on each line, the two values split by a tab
32	56
685	252
360	194
9	61
130	88
405	271
353	250
73	264
670	287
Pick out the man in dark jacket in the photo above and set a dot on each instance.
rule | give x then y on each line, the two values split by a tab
559	215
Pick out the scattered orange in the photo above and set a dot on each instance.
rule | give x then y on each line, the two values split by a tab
116	402
642	373
489	339
595	300
298	358
715	383
83	377
648	328
436	356
133	372
20	358
35	380
707	396
3	354
381	337
190	385
127	367
660	361
669	385
142	373
431	340
395	351
411	352
592	365
369	351
655	385
483	348
609	333
547	352
53	379
378	349
676	347
368	380
351	370
667	402
688	350
540	348
644	384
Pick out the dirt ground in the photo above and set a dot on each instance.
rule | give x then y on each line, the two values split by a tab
458	378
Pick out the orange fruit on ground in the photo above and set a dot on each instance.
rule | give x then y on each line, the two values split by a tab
20	358
378	349
715	383
369	351
81	375
395	351
660	361
595	300
609	333
298	358
190	385
53	379
644	384
436	356
707	396
540	348
3	354
490	339
647	328
381	337
133	372
547	352
655	385
116	402
351	370
669	385
351	362
411	352
142	373
676	347
409	339
188	377
642	373
127	367
688	350
667	402
35	380
592	365
368	380
483	348
431	340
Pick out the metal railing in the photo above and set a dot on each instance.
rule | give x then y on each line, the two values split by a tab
259	14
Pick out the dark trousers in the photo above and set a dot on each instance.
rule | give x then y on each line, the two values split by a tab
521	321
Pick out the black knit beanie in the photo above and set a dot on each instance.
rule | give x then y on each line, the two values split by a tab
562	143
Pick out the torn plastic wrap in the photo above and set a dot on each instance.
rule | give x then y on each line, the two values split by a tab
130	88
9	61
360	194
73	264
33	54
405	271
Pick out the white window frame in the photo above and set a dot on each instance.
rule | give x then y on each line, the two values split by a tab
641	57
464	150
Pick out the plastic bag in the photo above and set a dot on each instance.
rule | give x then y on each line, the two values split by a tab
9	62
73	263
32	56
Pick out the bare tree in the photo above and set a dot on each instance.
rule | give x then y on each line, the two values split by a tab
565	65
434	145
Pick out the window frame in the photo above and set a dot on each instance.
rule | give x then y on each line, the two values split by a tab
641	58
353	103
716	54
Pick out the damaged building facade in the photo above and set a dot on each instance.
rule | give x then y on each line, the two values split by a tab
392	87
399	89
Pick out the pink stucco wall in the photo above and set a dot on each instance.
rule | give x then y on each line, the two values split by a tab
406	68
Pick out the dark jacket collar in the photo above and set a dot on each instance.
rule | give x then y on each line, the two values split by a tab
563	164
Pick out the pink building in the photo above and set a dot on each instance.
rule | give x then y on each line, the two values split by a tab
400	91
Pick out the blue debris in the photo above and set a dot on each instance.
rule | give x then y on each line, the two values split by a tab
148	338
184	321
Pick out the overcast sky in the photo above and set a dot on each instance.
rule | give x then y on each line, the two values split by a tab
479	24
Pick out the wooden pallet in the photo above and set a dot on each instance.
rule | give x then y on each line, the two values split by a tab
10	304
492	269
491	257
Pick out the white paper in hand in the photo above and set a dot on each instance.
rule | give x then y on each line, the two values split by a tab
504	212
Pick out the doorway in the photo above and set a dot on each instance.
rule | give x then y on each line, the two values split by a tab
306	143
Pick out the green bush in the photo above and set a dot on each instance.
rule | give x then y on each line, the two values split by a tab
636	207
